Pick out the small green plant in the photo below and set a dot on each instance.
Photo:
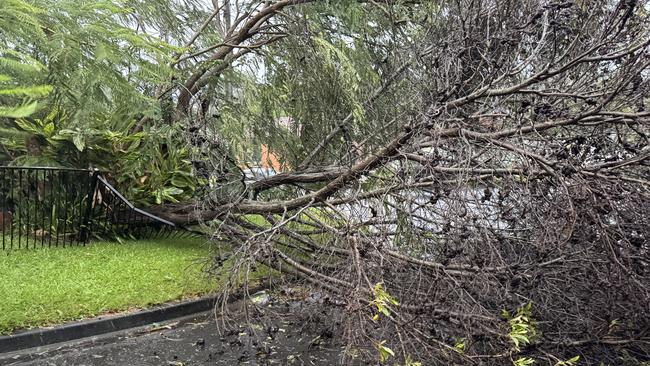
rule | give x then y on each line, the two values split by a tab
459	346
384	352
523	328
570	362
523	361
382	301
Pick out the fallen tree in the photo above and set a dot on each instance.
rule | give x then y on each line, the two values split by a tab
491	207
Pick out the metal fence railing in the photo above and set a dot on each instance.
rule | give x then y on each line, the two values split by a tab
112	214
45	207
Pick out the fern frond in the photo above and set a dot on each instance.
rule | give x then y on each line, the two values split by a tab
28	91
21	111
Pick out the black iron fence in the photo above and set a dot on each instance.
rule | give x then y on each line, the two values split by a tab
45	207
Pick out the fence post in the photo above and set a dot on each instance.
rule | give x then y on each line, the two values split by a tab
85	227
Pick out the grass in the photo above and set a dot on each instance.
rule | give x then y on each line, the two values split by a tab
40	287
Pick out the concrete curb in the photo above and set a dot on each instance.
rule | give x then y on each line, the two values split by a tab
93	327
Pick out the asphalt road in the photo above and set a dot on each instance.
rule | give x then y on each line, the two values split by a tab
282	333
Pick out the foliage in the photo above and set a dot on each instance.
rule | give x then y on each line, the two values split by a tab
570	362
166	173
18	99
459	345
523	328
316	80
382	301
22	77
101	77
384	352
524	361
87	52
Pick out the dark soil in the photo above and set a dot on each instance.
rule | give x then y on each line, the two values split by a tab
281	330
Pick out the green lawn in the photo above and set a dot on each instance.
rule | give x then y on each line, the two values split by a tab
48	286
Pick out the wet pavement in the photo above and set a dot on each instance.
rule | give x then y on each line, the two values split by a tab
280	332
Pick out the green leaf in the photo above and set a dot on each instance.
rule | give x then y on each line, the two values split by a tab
49	129
78	141
460	345
384	352
505	314
28	91
100	52
172	191
22	111
524	361
180	181
570	362
384	311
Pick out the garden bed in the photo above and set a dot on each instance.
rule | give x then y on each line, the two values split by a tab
42	287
